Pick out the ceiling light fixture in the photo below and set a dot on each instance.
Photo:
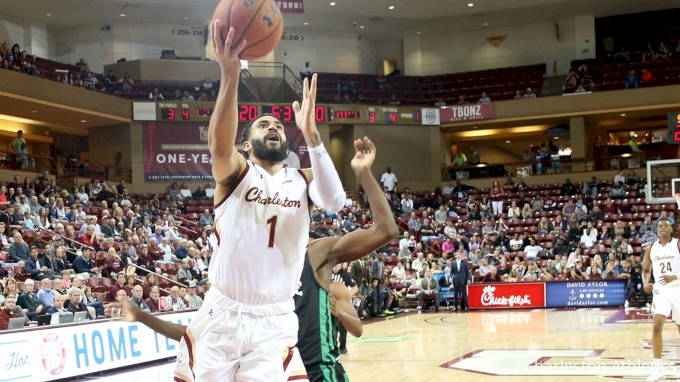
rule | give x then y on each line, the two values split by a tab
361	27
485	24
122	15
49	14
333	4
557	138
186	18
306	24
471	5
34	111
507	141
623	114
83	121
417	32
391	6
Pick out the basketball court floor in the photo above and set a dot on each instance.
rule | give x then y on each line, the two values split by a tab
510	345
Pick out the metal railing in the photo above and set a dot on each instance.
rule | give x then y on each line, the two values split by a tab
158	275
279	70
249	81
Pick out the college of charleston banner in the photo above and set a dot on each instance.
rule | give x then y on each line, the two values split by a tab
178	152
291	6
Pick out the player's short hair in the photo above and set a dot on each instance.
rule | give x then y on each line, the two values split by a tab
666	219
247	130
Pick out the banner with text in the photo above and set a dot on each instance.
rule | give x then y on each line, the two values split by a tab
178	151
506	295
586	293
467	112
291	6
58	352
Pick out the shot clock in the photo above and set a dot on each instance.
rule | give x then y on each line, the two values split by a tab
674	128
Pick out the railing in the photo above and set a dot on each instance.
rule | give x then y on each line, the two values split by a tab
253	86
76	169
158	275
280	70
550	166
189	223
63	237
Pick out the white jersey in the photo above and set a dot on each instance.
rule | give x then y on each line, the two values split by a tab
665	261
263	233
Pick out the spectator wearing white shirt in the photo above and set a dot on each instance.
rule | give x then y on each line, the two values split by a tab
404	242
441	215
484	98
210	191
399	272
389	180
589	236
620	178
156	95
417	264
185	192
514	212
306	72
533	250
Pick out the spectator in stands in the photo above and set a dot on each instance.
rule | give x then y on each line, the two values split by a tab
646	77
29	302
203	97
617	192
663	52
9	312
84	266
19	251
346	100
46	294
38	268
589	237
462	100
111	82
572	78
306	72
580	89
156	95
484	98
389	179
155	302
394	100
90	81
428	287
58	305
609	272
195	301
178	95
75	302
529	94
187	96
174	302
440	102
206	219
382	83
496	195
210	191
90	238
184	275
591	188
632	80
137	300
207	85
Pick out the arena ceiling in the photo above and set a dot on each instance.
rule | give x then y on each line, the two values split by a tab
381	24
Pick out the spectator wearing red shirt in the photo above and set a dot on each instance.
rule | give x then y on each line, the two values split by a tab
90	238
8	313
609	208
120	284
492	277
114	263
4	203
144	261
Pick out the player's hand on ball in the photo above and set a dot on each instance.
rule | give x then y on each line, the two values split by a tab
649	287
227	56
335	309
127	310
365	155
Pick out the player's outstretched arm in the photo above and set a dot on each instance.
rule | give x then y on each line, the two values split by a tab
325	188
342	308
227	162
362	242
131	313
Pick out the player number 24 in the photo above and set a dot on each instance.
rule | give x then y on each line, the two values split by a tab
272	230
664	267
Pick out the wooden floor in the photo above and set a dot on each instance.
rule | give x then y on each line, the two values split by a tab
512	345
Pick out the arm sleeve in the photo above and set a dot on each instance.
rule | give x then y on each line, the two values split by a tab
325	189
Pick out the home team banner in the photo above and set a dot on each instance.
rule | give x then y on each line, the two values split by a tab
178	152
57	352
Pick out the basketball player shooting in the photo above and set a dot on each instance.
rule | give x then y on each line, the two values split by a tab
247	327
319	304
662	259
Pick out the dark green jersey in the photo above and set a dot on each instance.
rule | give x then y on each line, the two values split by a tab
317	326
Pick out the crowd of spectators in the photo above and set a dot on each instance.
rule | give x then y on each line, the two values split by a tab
75	251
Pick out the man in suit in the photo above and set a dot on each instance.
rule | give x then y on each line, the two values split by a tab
428	287
460	279
377	268
37	268
361	273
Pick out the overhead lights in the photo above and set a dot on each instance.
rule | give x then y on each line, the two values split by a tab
485	24
391	7
186	18
34	111
305	24
122	15
507	141
471	5
557	138
623	114
333	4
83	121
49	14
362	27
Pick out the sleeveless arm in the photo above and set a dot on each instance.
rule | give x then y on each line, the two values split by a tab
325	188
646	266
345	310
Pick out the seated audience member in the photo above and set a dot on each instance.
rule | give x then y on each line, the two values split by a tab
492	277
137	294
156	95
84	266
58	306
382	83
120	284
155	302
174	302
484	98
46	294
8	312
529	94
206	219
194	300
75	304
29	302
428	287
394	100
632	80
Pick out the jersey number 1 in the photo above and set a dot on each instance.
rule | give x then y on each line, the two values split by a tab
666	267
272	230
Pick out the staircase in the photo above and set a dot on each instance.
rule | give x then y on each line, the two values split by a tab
269	82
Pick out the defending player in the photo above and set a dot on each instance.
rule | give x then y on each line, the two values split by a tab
663	259
319	303
247	327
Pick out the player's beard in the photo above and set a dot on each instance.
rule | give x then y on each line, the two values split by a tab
269	154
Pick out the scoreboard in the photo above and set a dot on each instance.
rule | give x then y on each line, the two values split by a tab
674	128
333	114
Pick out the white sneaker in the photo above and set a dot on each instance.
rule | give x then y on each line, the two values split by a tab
625	305
657	375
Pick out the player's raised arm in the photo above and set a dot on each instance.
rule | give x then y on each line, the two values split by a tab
227	162
342	308
362	242
325	188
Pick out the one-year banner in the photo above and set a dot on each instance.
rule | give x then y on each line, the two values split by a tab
178	152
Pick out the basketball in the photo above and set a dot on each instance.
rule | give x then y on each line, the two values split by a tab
259	22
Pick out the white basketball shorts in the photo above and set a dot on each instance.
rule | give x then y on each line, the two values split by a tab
228	341
666	300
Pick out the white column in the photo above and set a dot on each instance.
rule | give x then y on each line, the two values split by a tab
584	28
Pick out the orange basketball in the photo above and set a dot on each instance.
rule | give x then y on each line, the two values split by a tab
259	22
